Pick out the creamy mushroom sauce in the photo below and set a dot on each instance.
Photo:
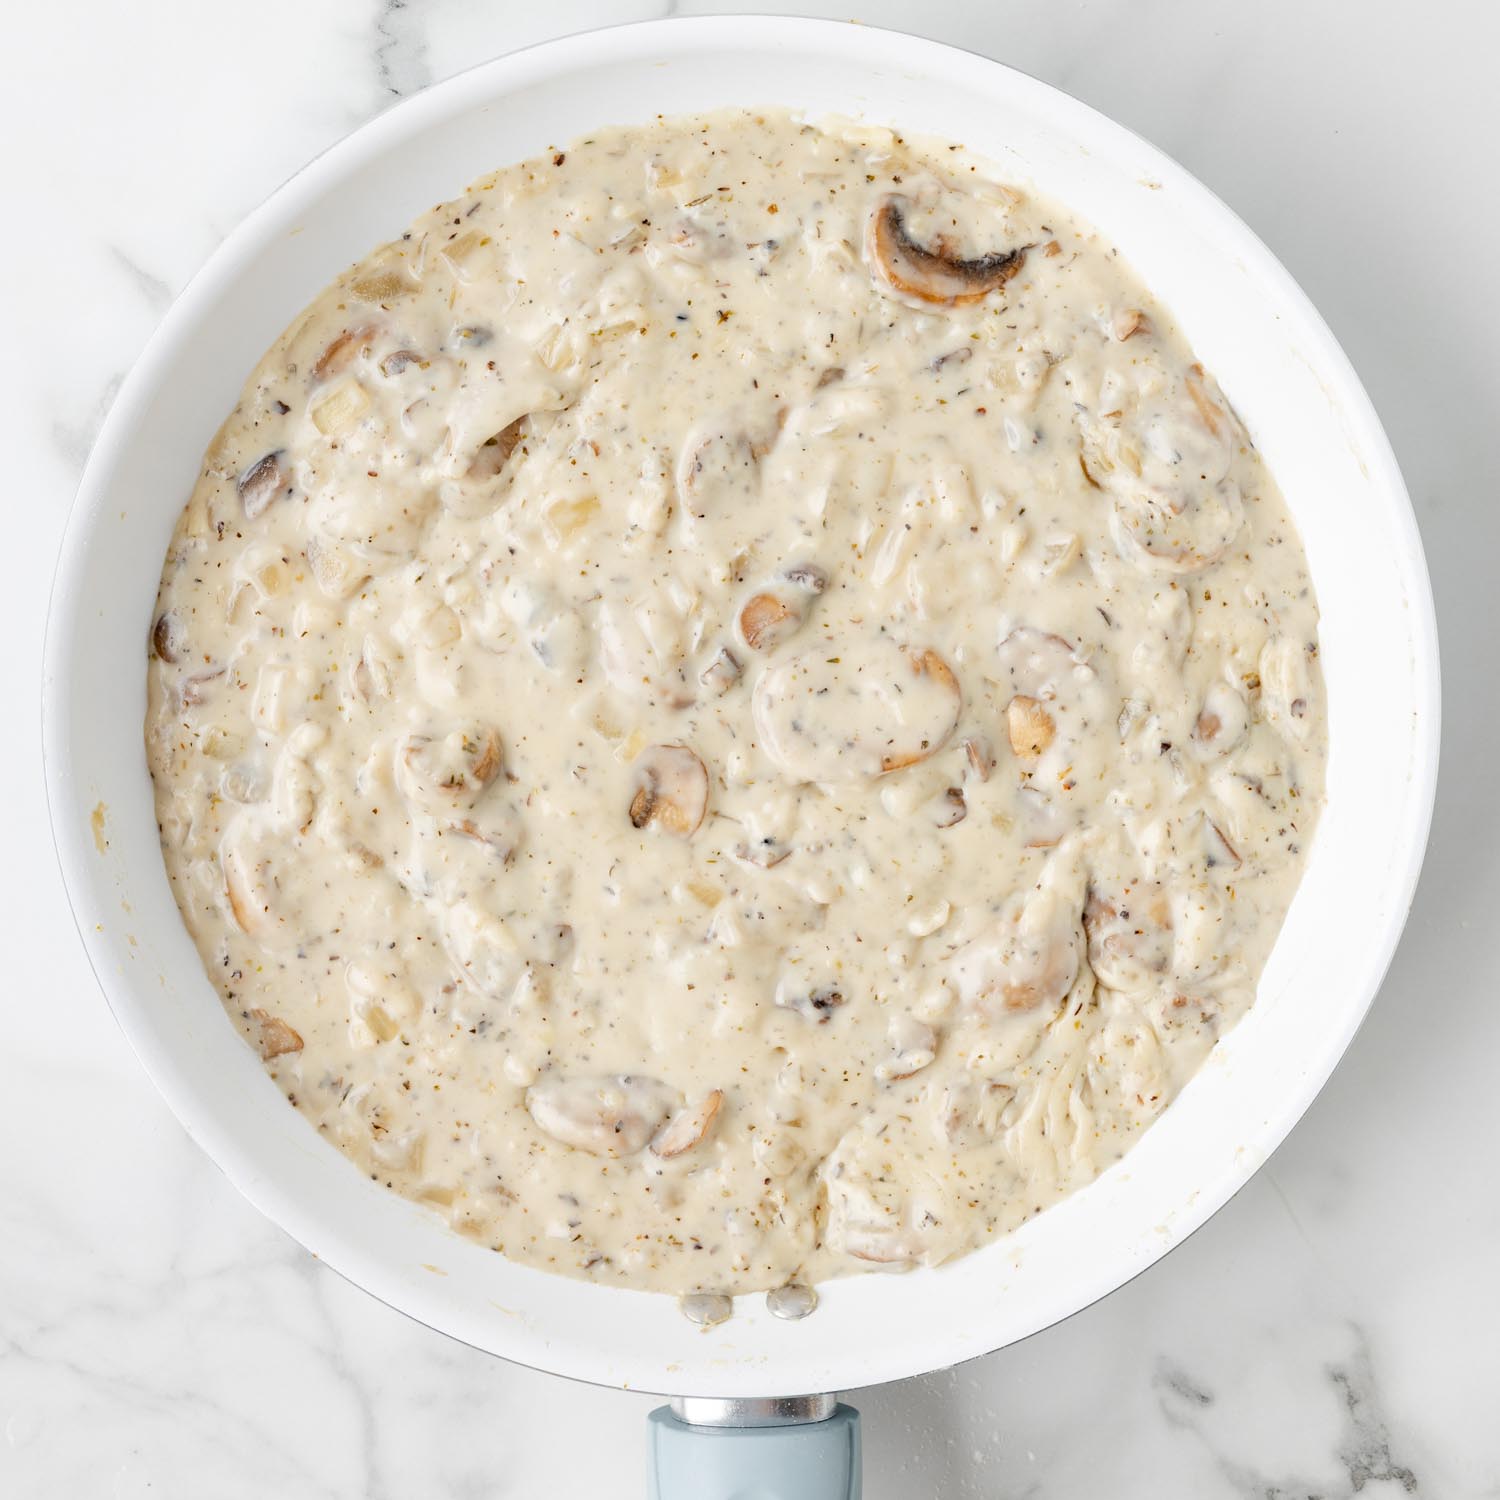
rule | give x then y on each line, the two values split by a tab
733	706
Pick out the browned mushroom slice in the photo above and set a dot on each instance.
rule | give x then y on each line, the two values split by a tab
771	616
932	273
1128	322
439	774
609	1116
766	621
928	664
980	755
1026	962
717	469
848	711
669	790
494	453
1046	680
260	484
1028	726
274	1037
399	360
342	352
688	1127
166	637
1129	932
1187	535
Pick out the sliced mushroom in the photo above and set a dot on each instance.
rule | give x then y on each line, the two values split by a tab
251	887
260	484
950	808
167	637
1129	932
913	1047
688	1127
274	1037
1186	538
1028	726
980	755
815	1004
399	360
766	621
494	453
1027	962
721	673
1217	849
848	712
1128	322
612	1116
1162	445
483	948
932	273
1221	722
438	774
669	790
342	352
1054	698
718	484
773	615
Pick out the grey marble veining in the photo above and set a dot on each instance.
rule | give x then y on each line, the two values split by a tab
400	49
1334	1332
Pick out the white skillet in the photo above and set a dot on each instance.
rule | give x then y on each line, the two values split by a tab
1278	364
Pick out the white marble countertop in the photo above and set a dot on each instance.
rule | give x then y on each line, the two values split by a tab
1334	1331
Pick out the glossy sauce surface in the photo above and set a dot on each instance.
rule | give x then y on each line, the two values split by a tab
734	707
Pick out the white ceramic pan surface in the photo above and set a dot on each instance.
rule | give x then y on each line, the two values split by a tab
1249	323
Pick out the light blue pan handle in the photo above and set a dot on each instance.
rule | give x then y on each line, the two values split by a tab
805	1448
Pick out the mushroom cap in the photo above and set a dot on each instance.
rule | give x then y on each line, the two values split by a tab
843	713
932	273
